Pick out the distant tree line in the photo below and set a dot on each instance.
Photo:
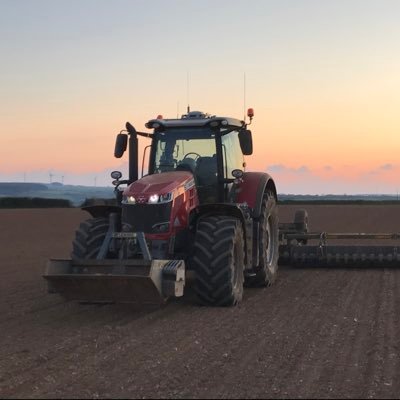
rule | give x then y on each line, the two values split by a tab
338	199
39	202
339	202
15	188
33	202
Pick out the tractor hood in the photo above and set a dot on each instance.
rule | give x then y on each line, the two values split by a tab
159	185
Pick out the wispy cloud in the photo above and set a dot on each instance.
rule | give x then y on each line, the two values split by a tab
329	180
382	169
387	167
279	168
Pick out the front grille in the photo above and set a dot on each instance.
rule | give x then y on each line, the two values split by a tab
144	217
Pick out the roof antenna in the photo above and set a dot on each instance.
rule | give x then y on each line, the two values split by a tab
187	91
244	96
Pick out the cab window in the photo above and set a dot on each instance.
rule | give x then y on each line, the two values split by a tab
232	153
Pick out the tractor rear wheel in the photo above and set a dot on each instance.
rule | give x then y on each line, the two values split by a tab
89	238
218	261
267	269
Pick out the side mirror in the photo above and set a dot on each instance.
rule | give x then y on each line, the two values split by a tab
246	142
120	145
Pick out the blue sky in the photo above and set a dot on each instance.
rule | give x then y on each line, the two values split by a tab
322	76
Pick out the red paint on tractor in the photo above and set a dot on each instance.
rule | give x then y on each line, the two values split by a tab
159	184
184	197
247	191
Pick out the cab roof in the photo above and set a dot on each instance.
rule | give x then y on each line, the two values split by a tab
195	119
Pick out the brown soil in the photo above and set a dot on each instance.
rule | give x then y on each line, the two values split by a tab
320	333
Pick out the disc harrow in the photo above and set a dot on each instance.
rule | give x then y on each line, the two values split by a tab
301	248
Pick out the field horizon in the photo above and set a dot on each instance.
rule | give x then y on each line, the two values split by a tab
78	194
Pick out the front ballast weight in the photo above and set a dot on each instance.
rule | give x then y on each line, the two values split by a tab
117	280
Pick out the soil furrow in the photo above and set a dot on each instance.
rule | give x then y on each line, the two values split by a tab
316	333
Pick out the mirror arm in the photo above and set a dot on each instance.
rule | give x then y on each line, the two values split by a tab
145	134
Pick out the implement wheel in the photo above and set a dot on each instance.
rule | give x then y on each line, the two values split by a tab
267	269
301	223
89	238
218	261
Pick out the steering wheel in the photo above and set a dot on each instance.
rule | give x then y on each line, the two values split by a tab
192	152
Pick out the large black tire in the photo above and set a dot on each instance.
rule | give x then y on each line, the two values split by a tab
89	238
218	261
267	269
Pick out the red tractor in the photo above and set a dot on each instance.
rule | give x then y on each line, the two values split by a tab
196	210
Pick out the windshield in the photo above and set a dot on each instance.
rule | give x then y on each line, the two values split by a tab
184	149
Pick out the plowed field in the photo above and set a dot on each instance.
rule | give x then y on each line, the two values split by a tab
320	333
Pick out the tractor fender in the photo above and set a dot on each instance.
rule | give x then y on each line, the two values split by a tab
252	189
223	209
97	211
220	209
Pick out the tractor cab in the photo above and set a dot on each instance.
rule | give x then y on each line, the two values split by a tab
209	147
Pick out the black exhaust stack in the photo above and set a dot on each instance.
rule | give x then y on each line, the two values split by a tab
133	153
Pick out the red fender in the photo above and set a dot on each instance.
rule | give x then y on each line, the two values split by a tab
252	188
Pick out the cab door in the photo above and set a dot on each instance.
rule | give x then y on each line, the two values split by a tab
232	159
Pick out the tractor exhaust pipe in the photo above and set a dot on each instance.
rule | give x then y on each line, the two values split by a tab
120	147
133	153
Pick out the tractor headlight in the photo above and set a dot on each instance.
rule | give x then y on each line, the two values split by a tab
162	198
129	200
153	199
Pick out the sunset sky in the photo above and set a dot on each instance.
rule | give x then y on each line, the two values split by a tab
322	76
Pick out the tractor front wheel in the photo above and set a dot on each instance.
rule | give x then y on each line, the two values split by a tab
218	261
89	238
